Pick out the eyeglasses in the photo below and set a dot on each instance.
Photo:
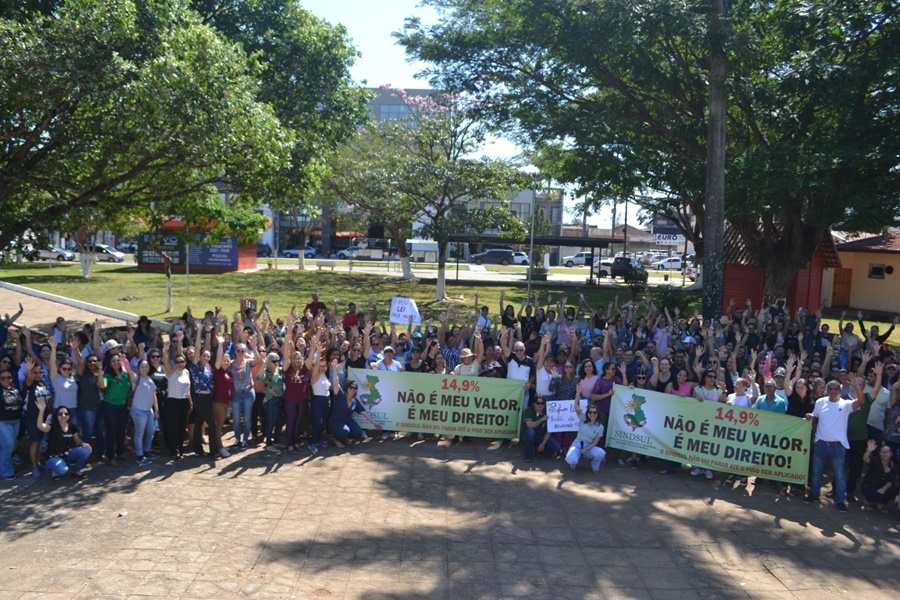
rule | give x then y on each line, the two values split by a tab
152	356
539	402
5	377
710	376
352	387
592	412
62	414
641	377
179	361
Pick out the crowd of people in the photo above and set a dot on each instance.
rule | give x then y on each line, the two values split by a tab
80	396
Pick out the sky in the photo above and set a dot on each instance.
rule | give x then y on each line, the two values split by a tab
370	25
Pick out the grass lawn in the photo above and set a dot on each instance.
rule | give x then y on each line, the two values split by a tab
124	288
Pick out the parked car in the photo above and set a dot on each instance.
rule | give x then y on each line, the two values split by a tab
308	252
263	249
691	272
603	267
493	257
581	259
629	269
106	253
351	251
667	264
127	246
520	258
55	252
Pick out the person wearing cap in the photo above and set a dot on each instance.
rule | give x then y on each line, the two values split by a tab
387	362
829	419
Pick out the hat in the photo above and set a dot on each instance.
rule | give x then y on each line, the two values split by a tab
689	340
466	353
144	319
109	346
416	335
779	372
388	349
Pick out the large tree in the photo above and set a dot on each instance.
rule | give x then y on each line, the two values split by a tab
620	91
112	105
304	67
423	170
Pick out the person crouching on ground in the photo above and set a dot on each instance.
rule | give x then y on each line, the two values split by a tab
68	453
587	442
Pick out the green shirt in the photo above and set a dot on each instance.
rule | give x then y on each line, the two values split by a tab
857	425
274	383
117	388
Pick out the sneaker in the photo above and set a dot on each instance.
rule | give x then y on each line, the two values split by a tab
571	466
292	449
236	445
143	460
224	453
744	480
842	508
323	444
635	464
78	474
113	462
313	448
243	445
730	478
830	494
709	474
35	472
809	499
9	477
696	471
596	470
151	455
273	450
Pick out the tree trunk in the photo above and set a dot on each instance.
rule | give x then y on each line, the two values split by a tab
87	260
714	226
400	240
301	257
440	292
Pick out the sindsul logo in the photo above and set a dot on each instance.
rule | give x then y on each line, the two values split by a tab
635	417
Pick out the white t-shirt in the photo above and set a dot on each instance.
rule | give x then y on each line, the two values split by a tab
742	401
833	417
542	382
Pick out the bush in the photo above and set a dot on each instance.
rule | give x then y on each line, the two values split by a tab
669	297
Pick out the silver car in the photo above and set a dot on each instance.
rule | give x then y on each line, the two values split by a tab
55	253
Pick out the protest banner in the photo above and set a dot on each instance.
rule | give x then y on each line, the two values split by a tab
401	308
561	415
710	435
441	404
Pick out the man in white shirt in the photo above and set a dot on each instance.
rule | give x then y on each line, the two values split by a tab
830	418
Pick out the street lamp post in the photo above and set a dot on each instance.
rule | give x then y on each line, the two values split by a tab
531	244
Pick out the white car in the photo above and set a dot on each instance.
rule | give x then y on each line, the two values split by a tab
106	253
581	259
667	264
520	258
603	267
351	251
55	253
691	272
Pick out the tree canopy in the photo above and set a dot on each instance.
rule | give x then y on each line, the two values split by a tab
615	92
109	106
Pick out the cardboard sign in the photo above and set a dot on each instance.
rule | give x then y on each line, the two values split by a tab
401	308
562	416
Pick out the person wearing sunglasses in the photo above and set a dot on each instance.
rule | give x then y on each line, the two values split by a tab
11	404
36	388
587	443
178	400
341	423
67	452
535	437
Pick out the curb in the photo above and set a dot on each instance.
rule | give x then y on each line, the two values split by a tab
85	306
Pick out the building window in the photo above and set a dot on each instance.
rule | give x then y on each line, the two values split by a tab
876	271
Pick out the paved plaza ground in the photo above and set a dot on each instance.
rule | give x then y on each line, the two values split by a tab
409	519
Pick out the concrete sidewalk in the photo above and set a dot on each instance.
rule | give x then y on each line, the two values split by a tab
408	519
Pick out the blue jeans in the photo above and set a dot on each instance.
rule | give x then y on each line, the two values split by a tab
273	421
843	358
76	457
143	430
836	455
90	423
531	440
242	406
319	412
9	436
342	430
596	455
